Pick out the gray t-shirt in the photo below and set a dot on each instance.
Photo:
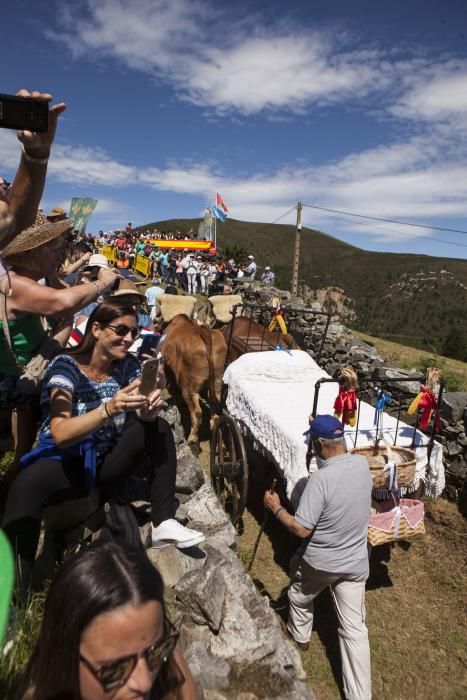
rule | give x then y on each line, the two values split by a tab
336	505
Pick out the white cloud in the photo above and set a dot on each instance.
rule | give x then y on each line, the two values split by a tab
222	63
436	92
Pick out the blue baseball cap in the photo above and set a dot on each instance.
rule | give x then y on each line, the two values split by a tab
326	427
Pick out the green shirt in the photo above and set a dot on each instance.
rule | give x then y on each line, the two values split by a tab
27	334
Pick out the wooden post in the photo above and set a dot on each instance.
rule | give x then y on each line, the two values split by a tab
296	259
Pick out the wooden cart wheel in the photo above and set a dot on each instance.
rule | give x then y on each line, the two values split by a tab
229	468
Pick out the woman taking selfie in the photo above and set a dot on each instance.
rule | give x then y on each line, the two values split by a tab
105	633
98	430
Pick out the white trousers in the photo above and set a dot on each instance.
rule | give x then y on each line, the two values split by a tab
348	594
192	286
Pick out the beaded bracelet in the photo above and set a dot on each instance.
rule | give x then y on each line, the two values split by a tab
36	161
103	412
276	514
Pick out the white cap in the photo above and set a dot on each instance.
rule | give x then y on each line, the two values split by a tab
267	267
251	257
97	260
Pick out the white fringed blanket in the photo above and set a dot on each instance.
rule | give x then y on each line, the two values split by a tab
271	394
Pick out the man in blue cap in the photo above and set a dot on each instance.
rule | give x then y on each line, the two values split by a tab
332	519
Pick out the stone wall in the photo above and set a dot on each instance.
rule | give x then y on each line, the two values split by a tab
232	639
343	348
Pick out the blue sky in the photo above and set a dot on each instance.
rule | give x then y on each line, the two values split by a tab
358	106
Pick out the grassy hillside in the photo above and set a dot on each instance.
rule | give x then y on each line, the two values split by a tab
412	299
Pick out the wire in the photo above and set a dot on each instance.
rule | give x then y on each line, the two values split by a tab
387	221
275	220
389	230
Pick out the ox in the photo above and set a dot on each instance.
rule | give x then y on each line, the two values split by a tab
195	359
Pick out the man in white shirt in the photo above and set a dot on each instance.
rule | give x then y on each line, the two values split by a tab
250	269
153	292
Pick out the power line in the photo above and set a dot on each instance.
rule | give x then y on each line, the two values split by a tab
275	220
387	221
389	230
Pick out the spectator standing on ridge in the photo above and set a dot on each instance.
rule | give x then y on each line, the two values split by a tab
332	520
250	269
191	272
268	276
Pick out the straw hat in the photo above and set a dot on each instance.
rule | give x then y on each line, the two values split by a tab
126	287
57	213
97	260
41	232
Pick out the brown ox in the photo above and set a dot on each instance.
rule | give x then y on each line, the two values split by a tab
247	335
195	359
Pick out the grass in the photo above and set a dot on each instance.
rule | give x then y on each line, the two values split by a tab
415	600
454	371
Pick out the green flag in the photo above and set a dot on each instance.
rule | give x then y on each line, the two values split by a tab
7	579
80	211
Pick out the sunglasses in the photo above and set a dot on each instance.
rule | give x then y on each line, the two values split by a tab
114	674
122	330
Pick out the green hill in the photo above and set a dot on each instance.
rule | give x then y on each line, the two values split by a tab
418	300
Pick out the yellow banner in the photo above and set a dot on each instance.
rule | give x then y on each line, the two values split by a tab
109	252
182	245
143	265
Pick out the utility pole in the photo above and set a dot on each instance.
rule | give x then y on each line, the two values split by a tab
296	258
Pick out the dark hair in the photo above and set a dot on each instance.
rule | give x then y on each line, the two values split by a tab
99	579
103	314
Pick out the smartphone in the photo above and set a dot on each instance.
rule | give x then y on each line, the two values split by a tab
23	113
149	376
150	341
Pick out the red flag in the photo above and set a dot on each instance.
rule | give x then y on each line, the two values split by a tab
220	202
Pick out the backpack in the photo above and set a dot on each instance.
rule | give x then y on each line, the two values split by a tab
120	525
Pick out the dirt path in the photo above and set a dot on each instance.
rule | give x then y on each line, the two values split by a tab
416	598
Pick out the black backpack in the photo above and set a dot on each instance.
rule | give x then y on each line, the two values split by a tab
120	525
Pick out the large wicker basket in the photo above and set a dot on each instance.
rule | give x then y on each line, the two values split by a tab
405	465
396	522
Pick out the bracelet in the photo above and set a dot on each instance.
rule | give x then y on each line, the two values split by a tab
36	161
106	409
276	514
103	412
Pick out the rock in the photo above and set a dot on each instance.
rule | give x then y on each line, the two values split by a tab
453	405
462	439
202	592
204	507
209	672
453	449
221	536
173	563
395	373
171	414
190	475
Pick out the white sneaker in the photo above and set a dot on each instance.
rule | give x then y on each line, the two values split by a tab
172	532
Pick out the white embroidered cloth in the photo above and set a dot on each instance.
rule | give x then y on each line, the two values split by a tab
271	393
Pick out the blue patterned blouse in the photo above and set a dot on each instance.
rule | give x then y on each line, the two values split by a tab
65	373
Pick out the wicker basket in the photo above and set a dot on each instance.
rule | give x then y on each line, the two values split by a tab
396	522
405	467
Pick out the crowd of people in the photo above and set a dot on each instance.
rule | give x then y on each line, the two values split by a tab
82	422
192	271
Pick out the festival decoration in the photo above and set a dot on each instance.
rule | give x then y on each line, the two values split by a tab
277	320
382	401
426	400
345	404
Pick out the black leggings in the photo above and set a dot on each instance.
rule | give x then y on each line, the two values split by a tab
48	481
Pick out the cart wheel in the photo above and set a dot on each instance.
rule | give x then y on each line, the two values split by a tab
229	468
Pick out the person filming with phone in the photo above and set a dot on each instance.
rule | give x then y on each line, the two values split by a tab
101	426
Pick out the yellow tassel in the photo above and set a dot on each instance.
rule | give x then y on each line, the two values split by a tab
352	419
414	405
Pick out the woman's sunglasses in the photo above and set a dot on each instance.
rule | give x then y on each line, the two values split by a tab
122	330
116	673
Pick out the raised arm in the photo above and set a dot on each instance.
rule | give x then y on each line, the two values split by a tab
28	186
30	297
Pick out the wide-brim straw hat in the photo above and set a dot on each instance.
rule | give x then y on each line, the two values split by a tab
126	287
41	232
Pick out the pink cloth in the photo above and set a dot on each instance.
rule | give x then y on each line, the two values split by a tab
413	511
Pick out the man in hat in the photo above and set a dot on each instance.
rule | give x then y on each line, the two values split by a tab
250	269
332	520
268	276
